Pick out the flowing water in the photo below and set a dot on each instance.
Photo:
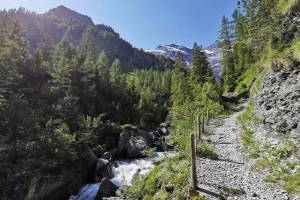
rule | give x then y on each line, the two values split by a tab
124	172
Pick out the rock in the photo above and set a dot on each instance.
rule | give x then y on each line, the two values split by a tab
114	153
165	131
278	99
254	195
156	134
132	143
164	125
103	169
107	189
107	156
160	131
169	188
160	144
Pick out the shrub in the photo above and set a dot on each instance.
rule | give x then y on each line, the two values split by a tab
204	150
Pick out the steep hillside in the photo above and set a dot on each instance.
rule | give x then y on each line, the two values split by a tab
62	23
271	132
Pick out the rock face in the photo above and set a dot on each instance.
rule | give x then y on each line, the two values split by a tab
132	143
104	169
212	52
278	101
107	189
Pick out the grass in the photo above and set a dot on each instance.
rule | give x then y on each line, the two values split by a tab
248	116
258	82
173	171
205	151
293	182
295	48
281	170
148	152
248	138
252	79
200	198
285	5
246	80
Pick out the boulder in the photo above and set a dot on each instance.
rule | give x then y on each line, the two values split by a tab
165	124
132	143
278	100
160	144
114	153
107	156
156	134
104	169
107	189
169	188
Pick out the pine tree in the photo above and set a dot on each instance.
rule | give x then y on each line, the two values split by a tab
115	72
228	68
201	70
180	92
43	56
64	64
103	68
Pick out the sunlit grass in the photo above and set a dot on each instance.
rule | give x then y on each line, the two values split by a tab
285	5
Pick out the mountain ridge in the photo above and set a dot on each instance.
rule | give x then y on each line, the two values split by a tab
62	23
212	52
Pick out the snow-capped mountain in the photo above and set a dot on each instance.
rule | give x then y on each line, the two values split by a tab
212	52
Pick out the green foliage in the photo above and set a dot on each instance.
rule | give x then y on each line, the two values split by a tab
150	91
201	70
205	151
128	127
284	5
275	160
148	152
262	36
172	171
248	116
193	92
115	72
227	59
62	141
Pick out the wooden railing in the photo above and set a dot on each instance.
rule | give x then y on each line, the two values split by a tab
195	138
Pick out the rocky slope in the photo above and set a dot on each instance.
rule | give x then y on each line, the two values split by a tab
62	23
212	52
278	101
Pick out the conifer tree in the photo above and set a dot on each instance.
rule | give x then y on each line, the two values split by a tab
63	66
201	70
102	67
115	72
228	68
180	93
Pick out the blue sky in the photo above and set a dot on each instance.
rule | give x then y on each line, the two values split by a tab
147	23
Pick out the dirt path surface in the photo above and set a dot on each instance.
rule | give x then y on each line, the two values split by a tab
230	176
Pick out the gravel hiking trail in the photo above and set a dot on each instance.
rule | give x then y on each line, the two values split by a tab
230	175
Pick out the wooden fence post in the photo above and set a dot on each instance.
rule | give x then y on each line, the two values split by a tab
202	124
207	117
195	129
198	128
193	158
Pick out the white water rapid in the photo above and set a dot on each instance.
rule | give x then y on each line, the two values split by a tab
124	172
